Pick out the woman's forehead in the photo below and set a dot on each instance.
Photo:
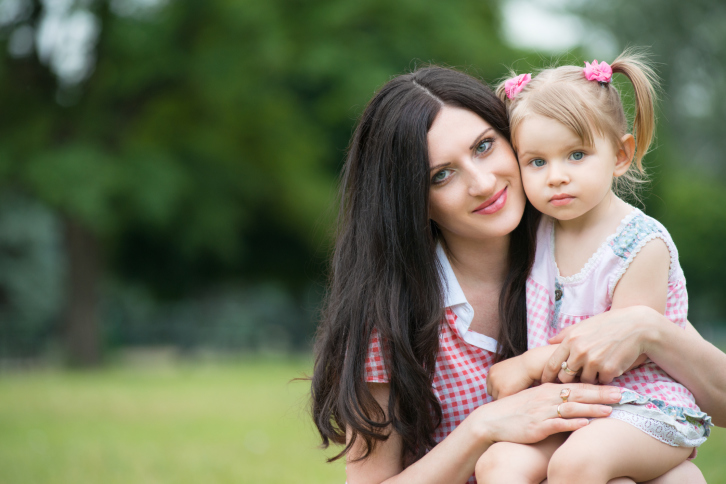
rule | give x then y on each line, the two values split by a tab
453	132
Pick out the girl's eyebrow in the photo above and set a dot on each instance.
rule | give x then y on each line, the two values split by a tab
569	147
478	138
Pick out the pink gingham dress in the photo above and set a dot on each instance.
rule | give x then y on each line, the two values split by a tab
654	402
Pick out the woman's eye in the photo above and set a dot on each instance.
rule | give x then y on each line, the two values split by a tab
440	176
538	162
577	155
483	146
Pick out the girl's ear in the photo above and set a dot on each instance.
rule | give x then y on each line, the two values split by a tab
624	156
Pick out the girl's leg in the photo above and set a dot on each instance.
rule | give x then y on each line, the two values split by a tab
610	448
517	463
618	480
684	473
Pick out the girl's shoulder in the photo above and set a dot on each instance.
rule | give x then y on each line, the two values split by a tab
634	232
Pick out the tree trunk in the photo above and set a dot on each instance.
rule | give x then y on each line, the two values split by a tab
82	335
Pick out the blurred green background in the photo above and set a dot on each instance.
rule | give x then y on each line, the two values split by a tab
168	174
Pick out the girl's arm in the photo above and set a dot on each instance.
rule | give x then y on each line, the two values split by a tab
526	417
518	373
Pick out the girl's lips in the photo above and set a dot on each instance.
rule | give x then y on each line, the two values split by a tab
494	204
560	200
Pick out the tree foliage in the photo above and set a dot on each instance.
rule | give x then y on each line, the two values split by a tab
202	140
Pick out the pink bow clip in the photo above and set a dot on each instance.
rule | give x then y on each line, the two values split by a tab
514	86
598	72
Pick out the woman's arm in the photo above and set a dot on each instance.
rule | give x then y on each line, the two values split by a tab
694	362
526	417
608	344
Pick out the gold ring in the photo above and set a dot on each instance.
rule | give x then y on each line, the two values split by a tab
567	370
558	410
564	394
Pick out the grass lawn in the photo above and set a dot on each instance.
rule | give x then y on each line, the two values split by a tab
240	422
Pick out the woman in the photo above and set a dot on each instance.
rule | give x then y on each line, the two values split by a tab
427	291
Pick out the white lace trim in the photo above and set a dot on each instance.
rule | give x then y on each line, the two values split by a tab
657	429
595	257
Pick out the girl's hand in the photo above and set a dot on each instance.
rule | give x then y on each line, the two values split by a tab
519	373
508	377
602	347
531	415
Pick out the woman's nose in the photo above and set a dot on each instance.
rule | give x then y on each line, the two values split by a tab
482	183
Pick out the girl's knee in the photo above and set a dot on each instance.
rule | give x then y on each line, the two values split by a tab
574	464
503	463
492	465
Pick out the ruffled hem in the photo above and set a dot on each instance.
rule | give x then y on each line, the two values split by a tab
668	434
679	426
595	257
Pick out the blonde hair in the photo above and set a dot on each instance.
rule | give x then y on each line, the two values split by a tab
590	107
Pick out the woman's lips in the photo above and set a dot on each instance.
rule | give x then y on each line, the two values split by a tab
561	199
494	204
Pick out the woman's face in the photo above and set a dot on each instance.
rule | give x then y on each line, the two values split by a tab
476	189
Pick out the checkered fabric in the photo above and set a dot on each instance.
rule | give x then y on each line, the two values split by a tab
460	380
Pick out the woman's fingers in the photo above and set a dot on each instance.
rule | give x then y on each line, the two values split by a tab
558	338
583	393
554	364
571	410
589	374
557	425
565	377
569	372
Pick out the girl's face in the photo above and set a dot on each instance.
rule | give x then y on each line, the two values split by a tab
476	190
562	177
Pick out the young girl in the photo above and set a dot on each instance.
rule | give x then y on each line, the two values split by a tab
594	253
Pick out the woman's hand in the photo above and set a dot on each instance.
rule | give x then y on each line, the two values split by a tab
603	347
531	415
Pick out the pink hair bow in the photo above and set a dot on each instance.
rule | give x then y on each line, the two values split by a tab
514	86
598	72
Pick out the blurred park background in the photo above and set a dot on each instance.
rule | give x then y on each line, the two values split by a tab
168	174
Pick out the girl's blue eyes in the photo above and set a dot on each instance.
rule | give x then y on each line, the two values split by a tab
539	162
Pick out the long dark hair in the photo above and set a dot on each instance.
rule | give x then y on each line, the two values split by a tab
385	275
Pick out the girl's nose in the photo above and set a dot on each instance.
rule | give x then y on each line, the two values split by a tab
556	175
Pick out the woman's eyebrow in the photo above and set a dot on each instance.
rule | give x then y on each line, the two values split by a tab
480	137
439	166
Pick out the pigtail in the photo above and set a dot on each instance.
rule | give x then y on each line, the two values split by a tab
502	93
634	65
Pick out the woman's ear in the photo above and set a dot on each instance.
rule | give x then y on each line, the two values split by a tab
624	156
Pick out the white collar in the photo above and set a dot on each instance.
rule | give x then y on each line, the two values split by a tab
455	299
453	295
